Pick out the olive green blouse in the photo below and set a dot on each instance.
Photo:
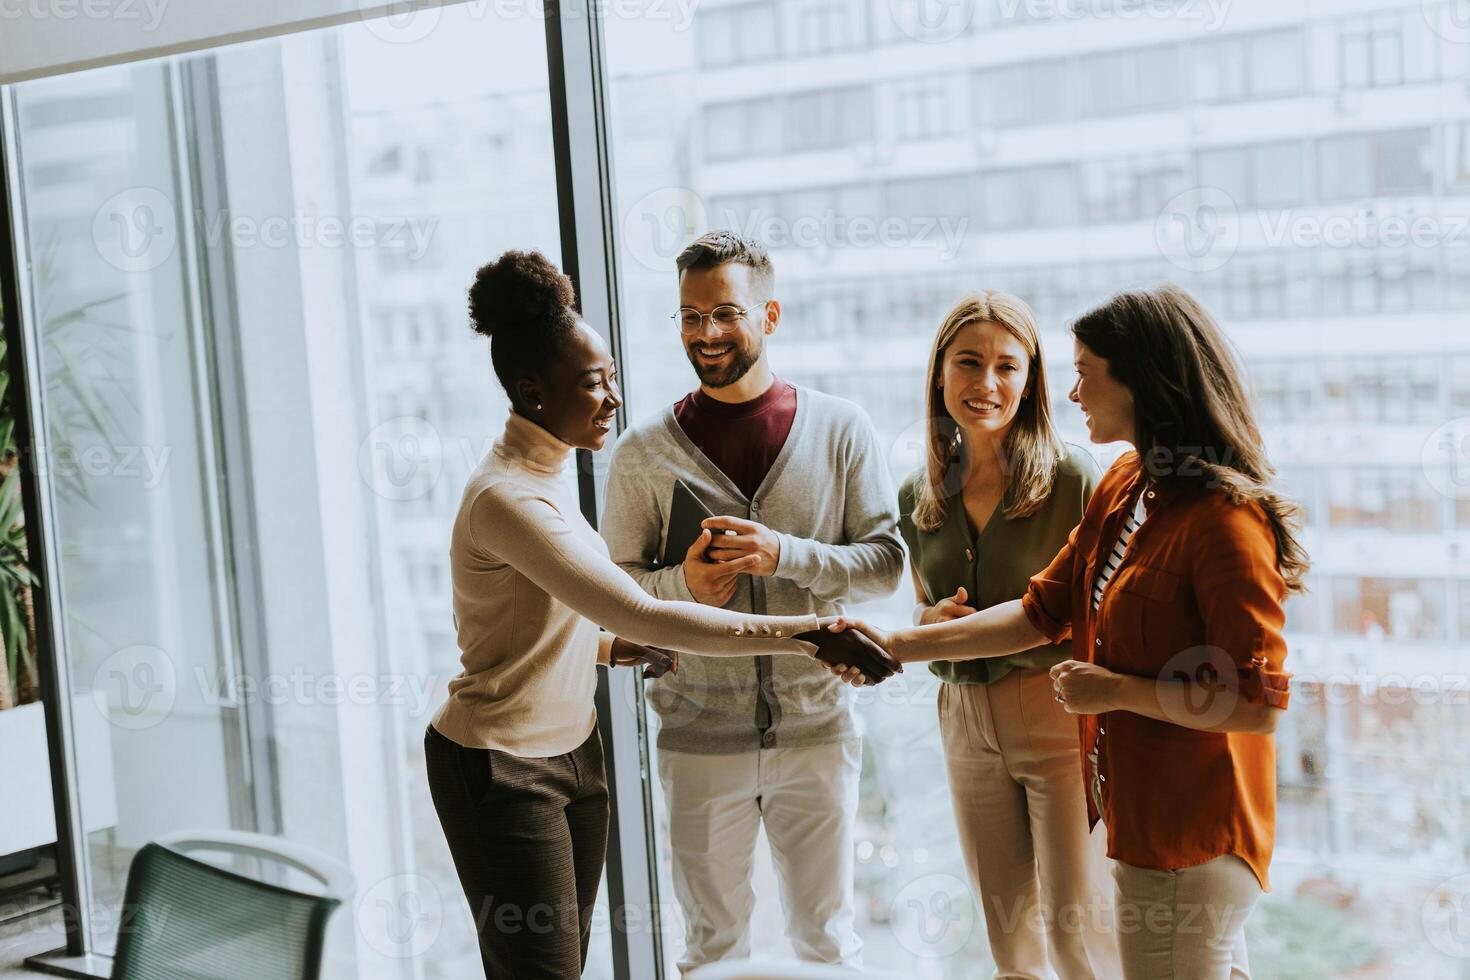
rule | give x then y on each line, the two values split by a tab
996	564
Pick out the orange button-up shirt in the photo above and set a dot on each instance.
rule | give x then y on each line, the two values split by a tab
1197	596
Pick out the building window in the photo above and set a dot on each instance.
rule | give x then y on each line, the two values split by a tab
1374	165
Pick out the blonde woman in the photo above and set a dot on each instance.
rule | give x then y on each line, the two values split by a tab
1173	588
993	504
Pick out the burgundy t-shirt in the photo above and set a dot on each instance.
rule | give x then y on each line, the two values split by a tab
743	440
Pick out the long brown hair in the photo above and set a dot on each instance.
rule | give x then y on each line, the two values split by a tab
1193	423
1031	449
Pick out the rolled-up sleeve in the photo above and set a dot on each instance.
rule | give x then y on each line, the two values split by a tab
1047	602
1238	590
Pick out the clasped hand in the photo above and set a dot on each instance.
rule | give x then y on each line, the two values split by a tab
855	651
656	661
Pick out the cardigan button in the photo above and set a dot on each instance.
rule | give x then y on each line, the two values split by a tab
1099	641
969	555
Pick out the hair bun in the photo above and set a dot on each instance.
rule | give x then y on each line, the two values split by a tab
518	289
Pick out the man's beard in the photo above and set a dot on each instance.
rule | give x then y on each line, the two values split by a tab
741	361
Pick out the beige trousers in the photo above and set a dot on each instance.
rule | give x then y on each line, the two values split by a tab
1187	924
1040	878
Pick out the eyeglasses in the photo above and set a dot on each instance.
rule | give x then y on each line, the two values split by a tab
726	318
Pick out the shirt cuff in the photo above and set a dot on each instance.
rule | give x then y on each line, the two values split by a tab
1261	686
678	587
604	648
1048	626
795	557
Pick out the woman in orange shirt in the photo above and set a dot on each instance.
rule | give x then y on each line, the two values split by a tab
1171	589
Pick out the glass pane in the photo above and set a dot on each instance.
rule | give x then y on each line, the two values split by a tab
1342	338
287	467
132	450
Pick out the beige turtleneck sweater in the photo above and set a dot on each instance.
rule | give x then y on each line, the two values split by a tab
532	584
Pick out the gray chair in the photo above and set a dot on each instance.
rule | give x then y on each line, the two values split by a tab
189	919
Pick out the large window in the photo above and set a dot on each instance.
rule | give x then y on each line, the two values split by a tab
1349	341
263	399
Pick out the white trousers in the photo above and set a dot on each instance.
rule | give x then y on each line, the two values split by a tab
807	798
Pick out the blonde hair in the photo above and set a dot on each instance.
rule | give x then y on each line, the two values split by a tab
1031	449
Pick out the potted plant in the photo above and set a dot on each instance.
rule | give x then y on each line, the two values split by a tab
28	825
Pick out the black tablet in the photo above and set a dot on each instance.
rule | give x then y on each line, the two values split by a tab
686	516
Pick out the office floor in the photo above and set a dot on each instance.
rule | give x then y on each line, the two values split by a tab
26	938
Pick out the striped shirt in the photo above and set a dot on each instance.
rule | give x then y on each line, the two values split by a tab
1104	576
1110	565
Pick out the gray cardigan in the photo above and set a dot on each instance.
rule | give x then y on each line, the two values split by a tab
829	498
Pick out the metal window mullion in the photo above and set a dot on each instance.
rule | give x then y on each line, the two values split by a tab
220	387
577	72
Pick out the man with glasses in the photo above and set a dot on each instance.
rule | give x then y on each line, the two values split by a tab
806	522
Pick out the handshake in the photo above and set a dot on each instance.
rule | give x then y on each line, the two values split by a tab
854	651
848	649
